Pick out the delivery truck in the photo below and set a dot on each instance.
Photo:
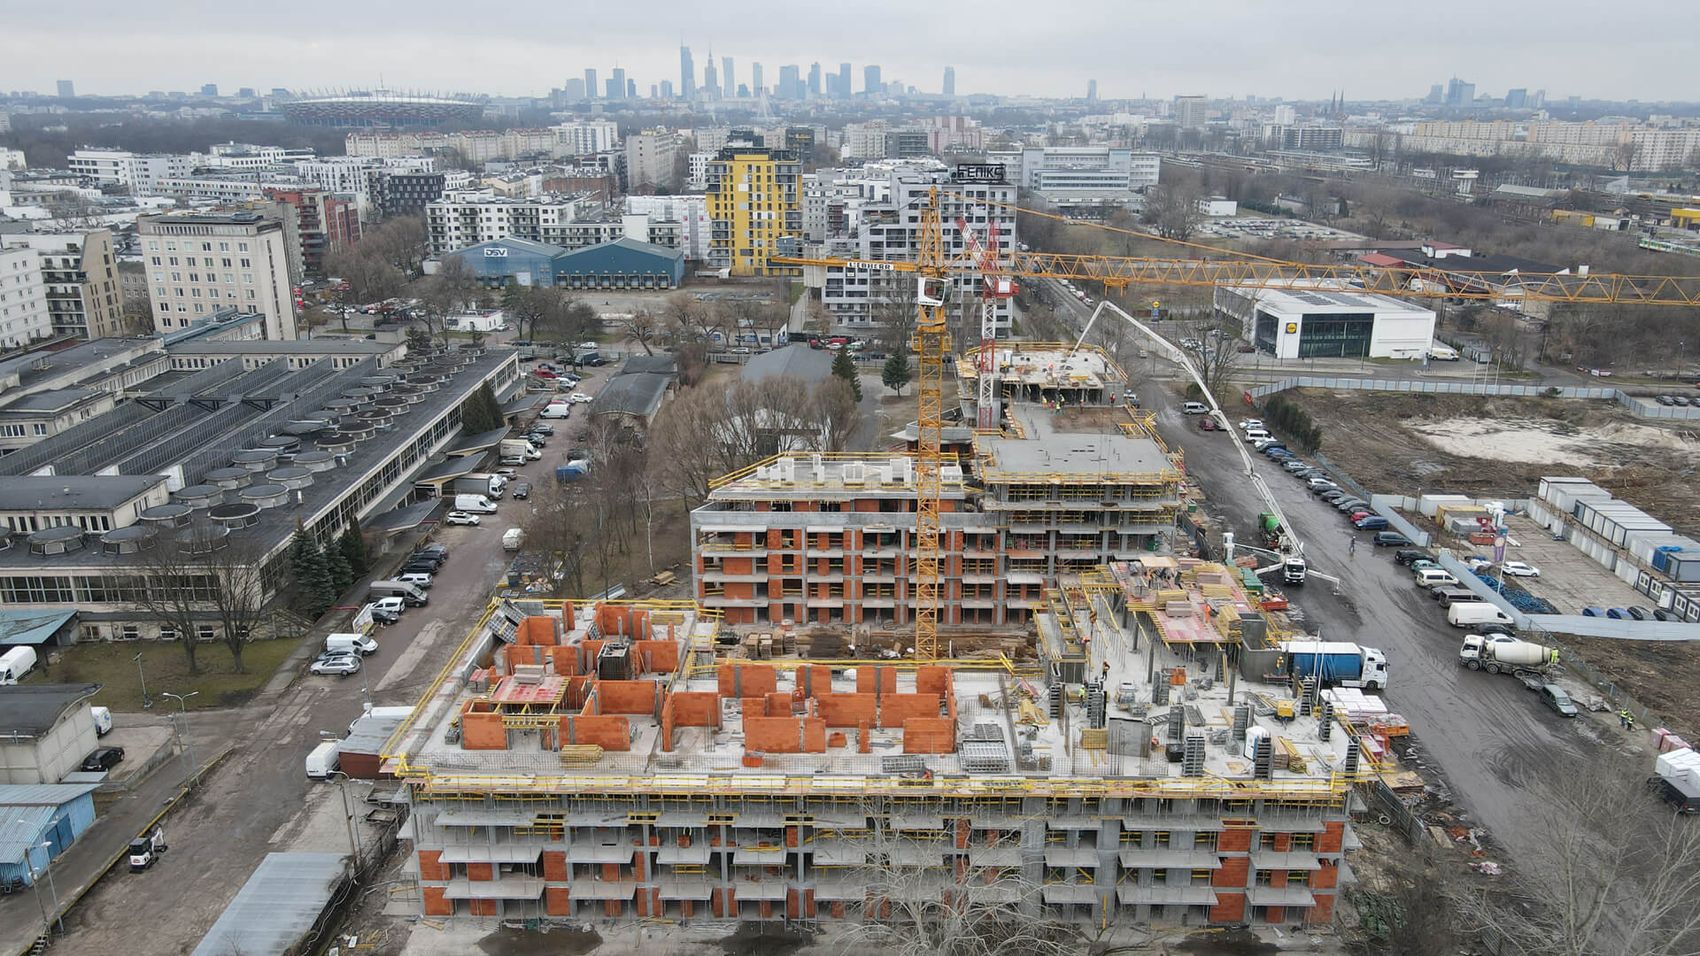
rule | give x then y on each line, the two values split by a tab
1475	614
1338	663
475	504
1676	776
15	663
322	761
1500	653
490	486
519	448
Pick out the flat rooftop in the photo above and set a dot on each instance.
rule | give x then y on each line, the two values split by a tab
1084	442
1284	302
842	475
572	698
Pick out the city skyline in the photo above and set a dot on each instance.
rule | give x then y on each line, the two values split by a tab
1296	55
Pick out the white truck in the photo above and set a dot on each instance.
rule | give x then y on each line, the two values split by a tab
1473	613
16	663
1498	653
1336	663
519	448
513	539
359	643
1676	775
475	504
322	761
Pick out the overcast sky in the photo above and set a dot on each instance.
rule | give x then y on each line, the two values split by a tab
1302	49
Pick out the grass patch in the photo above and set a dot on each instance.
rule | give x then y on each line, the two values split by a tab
113	666
794	292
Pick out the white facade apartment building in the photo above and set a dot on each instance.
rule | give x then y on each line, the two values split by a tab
24	316
690	212
80	272
198	263
890	229
865	140
650	158
459	220
591	136
697	178
141	173
1063	169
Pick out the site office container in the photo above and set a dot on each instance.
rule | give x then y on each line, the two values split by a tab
1565	498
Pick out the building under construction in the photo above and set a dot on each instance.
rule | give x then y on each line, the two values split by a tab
616	760
1074	478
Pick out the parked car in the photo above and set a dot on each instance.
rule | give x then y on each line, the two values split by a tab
580	398
384	617
103	758
1638	612
1554	696
1208	424
1390	539
1324	487
1660	614
1350	506
1334	496
1593	612
1371	523
1407	555
1518	569
439	551
1194	408
509	473
461	517
1617	614
1665	400
340	665
1247	424
522	490
543	428
1295	466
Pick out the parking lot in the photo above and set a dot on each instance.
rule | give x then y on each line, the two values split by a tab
1569	579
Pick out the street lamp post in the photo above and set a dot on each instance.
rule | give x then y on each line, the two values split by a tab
348	815
147	702
181	718
35	878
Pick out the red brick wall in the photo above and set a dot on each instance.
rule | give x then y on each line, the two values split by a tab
430	868
480	871
481	907
556	901
555	866
755	680
435	904
929	735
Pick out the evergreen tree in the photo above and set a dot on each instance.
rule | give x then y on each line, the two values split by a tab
895	375
336	567
353	545
480	413
313	585
845	368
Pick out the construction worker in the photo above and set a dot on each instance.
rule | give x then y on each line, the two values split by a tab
1352	548
1627	718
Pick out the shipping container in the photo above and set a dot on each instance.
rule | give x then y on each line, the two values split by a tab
1428	503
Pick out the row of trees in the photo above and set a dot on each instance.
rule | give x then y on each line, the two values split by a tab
1293	421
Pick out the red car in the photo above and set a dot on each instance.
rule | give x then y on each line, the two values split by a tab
1208	424
542	373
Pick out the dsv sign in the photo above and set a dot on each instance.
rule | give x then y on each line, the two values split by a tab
496	253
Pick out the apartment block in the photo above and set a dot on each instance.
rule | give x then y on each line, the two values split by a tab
652	160
24	317
830	539
464	219
324	222
80	273
199	263
140	173
1088	180
882	220
755	204
621	761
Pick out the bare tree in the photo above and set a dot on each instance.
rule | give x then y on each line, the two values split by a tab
1173	211
836	414
452	290
1213	350
894	313
641	327
178	586
1616	874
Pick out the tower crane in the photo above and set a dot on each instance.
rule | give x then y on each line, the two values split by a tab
995	287
931	340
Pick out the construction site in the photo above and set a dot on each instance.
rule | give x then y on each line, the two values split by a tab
1156	761
1074	478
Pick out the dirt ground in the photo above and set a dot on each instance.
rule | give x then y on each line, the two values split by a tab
1467	444
1412	444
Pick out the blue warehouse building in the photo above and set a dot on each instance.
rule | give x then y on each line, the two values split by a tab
622	264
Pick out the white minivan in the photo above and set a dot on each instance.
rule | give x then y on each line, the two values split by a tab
1195	408
1435	577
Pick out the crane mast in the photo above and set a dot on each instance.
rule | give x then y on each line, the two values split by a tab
931	344
994	287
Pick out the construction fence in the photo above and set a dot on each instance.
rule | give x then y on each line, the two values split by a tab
1639	406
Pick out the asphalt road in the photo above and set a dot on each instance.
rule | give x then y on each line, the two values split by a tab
259	800
1489	738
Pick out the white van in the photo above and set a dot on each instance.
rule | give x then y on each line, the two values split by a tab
477	504
1435	578
1443	353
351	642
322	762
1474	613
16	663
102	720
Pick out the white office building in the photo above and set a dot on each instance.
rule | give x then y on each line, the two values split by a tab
1080	178
592	136
24	316
198	263
1291	324
463	219
139	172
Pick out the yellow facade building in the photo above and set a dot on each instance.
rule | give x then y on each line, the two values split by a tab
756	209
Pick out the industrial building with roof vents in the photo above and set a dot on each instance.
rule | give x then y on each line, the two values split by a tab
229	444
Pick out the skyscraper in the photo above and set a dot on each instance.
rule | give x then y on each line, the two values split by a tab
1091	91
67	89
755	79
666	89
790	83
814	79
728	84
871	79
618	91
950	81
844	80
687	73
590	85
1190	111
1460	93
710	79
574	89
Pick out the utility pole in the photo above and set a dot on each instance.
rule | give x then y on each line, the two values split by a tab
147	702
348	815
183	740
